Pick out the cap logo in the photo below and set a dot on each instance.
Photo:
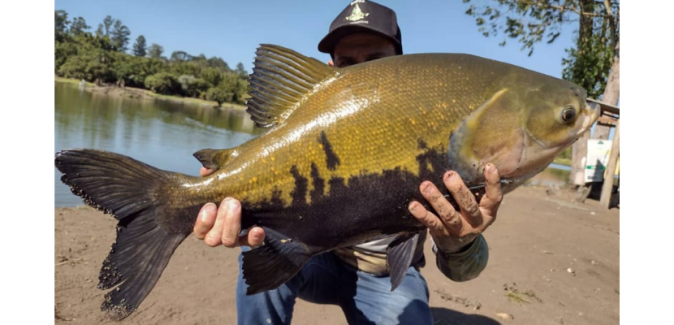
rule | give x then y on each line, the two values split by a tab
357	14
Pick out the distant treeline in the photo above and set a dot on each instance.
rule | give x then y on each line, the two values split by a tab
101	57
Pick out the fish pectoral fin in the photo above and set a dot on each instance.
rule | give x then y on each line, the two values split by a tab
487	130
274	263
281	79
399	256
213	158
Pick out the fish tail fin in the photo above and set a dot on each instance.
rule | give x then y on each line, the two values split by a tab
149	228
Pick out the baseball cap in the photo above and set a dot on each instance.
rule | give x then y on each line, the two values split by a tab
363	16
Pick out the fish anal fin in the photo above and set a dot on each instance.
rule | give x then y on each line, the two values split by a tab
214	158
281	79
399	256
274	263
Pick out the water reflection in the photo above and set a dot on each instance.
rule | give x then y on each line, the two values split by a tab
158	132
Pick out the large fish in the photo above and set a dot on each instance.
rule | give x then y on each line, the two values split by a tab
344	155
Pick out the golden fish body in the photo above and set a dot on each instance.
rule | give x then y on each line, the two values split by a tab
345	154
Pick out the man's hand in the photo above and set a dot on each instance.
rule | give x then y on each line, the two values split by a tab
452	230
221	226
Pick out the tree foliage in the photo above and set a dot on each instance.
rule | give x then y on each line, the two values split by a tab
107	23
155	51
241	71
99	30
163	83
219	95
78	26
101	56
60	24
180	56
534	21
120	36
589	64
140	47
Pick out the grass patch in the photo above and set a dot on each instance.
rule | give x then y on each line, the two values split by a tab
139	93
71	81
191	100
515	295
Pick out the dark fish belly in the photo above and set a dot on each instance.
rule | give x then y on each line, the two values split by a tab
364	207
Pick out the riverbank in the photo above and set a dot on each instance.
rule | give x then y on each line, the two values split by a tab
562	161
144	94
551	261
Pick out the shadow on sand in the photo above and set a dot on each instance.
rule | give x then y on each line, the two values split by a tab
444	316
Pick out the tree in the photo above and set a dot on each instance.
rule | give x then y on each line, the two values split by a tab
191	86
219	95
155	51
139	46
107	23
212	75
81	54
241	71
180	56
99	31
163	83
235	85
60	24
216	62
593	64
62	51
78	26
120	36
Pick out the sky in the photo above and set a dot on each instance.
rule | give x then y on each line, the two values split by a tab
233	30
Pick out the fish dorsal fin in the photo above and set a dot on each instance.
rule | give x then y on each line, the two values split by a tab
281	80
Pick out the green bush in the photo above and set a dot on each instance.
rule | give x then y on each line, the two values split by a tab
162	83
219	95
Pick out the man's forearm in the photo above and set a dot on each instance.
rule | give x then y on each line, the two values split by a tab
466	264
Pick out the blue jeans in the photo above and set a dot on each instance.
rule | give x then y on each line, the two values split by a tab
326	279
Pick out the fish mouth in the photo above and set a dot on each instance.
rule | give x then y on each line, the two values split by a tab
591	114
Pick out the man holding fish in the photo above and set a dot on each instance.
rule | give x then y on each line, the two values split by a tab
356	278
357	151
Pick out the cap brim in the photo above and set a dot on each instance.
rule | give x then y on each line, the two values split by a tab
327	44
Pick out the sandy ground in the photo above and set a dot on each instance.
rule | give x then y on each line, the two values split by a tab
552	261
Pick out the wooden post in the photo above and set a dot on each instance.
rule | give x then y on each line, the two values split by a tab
578	155
606	190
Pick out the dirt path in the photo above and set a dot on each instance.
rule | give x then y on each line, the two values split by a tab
533	243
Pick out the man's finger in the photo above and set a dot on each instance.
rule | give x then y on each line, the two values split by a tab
205	171
232	222
205	220
493	193
254	238
445	211
426	217
469	208
214	236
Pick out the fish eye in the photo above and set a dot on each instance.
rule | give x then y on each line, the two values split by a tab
568	114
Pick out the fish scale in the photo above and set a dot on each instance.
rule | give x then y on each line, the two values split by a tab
360	138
